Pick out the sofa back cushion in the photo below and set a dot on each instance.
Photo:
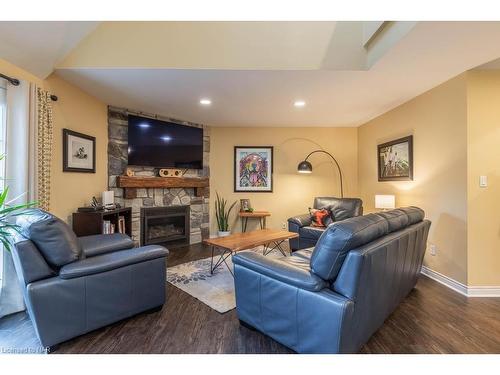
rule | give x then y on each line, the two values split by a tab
415	214
340	237
397	219
53	237
341	208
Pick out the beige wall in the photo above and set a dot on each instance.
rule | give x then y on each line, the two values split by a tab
438	122
77	111
483	159
13	71
293	193
83	113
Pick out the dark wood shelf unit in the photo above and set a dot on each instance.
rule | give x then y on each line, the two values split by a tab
89	223
130	184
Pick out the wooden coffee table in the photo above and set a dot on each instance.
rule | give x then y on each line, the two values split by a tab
270	238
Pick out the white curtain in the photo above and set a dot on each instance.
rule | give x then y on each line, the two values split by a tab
20	176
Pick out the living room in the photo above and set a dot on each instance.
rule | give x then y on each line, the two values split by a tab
321	187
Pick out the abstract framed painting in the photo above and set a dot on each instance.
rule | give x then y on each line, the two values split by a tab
253	169
395	160
78	152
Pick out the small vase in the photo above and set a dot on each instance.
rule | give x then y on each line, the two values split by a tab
224	233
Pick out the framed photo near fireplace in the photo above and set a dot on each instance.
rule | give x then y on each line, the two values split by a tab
253	169
78	152
395	160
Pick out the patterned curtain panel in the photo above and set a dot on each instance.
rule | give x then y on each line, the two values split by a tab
44	146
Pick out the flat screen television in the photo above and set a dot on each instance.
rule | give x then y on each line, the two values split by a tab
162	144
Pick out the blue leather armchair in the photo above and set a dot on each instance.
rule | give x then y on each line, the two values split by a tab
340	208
75	285
332	298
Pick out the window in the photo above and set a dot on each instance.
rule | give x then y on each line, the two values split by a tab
3	119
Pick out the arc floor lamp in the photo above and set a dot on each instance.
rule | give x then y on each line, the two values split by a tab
306	167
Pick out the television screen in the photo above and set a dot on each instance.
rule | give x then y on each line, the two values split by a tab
162	144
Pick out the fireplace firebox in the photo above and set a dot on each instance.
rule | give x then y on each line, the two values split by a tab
165	225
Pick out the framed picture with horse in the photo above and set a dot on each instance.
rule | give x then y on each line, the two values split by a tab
395	160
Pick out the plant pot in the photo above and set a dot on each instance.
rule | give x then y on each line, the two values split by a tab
222	233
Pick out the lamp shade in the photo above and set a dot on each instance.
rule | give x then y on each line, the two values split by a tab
385	202
304	167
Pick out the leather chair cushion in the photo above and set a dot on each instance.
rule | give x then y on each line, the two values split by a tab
397	219
298	261
340	237
304	253
53	237
295	271
111	261
311	232
341	208
301	220
30	264
415	214
104	243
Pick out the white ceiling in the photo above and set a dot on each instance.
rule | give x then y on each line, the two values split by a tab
39	46
431	53
419	58
491	65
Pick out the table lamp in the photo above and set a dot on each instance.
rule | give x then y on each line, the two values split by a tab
385	202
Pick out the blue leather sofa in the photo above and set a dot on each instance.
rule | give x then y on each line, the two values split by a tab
333	297
340	208
75	285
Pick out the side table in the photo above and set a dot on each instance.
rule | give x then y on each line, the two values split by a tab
261	215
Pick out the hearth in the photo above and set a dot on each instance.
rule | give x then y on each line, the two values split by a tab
165	225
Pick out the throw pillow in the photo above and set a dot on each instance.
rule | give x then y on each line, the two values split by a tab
320	218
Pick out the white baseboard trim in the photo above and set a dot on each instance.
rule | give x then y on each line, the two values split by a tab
468	291
483	291
445	280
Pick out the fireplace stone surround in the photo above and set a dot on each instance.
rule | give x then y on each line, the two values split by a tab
155	197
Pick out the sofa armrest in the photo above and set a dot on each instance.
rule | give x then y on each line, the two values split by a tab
300	220
111	261
278	270
104	243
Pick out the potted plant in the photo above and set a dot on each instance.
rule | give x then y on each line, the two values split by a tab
7	227
222	215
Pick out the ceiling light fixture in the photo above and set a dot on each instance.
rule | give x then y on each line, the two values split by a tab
166	138
205	102
299	103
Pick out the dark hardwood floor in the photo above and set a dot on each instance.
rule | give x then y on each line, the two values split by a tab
432	319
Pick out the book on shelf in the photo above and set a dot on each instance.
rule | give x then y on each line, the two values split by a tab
121	224
107	227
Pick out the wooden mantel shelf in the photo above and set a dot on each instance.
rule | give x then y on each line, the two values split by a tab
131	184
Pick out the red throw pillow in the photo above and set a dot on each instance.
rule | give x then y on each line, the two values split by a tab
319	217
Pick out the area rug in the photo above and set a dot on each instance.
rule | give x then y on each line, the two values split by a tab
215	291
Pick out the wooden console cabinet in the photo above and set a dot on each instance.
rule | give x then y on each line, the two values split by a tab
89	223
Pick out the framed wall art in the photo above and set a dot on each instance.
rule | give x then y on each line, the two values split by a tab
395	160
253	169
78	152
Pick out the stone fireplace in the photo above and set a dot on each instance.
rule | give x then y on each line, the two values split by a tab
197	207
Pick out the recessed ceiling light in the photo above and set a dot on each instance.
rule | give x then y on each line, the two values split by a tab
166	138
144	125
205	102
299	103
